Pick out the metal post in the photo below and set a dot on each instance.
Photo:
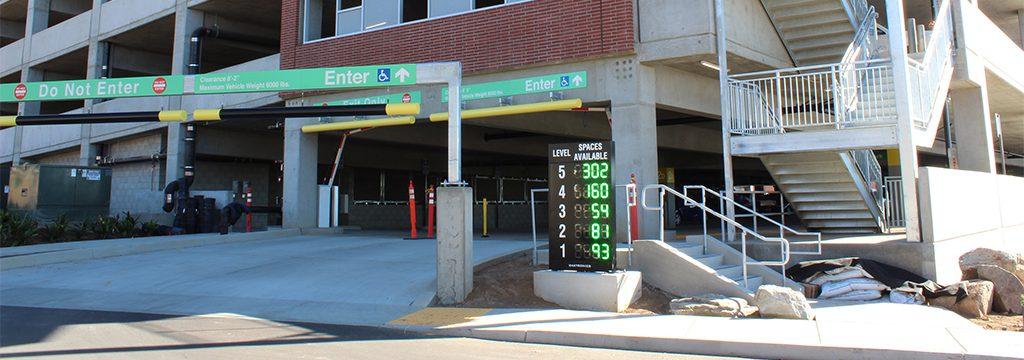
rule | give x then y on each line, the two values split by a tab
455	128
999	136
905	124
723	91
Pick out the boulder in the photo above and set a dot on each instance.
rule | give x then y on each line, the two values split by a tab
1008	289
782	302
712	305
975	306
1013	263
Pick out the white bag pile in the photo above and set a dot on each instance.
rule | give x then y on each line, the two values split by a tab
848	283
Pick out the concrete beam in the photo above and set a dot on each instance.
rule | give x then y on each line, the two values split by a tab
140	61
847	139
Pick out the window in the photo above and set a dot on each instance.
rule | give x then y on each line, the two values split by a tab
480	4
350	17
413	10
320	19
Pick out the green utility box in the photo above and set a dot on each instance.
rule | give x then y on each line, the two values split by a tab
47	191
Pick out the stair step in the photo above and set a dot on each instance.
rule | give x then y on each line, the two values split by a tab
783	4
806	10
752	283
833	206
814	188
814	178
808	42
800	158
693	250
825	197
820	21
824	30
730	271
808	168
808	215
819	224
864	230
711	260
824	52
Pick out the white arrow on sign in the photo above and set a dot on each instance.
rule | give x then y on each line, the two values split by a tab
402	74
577	80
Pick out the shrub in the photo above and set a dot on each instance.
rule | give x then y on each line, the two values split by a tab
57	231
125	226
16	230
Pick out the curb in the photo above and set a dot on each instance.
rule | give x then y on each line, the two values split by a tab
88	250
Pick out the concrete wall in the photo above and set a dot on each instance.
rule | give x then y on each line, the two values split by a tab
61	158
11	51
686	29
7	142
963	210
61	38
980	38
137	187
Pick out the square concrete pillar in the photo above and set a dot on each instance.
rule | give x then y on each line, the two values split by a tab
454	244
299	196
635	133
973	128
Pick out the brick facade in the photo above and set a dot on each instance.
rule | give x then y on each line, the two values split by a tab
530	33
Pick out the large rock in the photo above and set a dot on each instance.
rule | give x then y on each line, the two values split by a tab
1008	289
1013	263
712	305
975	306
782	302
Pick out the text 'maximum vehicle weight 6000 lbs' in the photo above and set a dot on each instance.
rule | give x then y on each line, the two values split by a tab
581	207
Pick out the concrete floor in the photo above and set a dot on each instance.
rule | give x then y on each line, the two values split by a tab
356	279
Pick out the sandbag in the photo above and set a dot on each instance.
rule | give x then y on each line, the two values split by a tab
839	274
835	289
860	295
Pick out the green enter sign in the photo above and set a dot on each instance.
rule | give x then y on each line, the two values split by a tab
214	83
521	86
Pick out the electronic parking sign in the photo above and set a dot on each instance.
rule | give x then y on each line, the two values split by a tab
581	209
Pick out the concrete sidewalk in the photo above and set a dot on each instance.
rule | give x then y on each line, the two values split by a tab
851	331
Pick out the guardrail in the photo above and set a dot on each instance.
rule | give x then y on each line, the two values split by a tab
927	77
893	203
702	204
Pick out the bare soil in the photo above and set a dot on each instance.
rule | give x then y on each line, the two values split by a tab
508	283
1001	322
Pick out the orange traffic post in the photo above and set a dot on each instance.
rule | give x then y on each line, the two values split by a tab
412	211
485	218
248	202
430	212
634	214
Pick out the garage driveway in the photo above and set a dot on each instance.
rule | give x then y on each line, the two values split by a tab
358	279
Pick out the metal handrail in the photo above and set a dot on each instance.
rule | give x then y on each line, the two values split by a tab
663	189
935	65
782	227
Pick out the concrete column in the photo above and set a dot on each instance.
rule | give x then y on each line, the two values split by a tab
96	57
28	74
905	126
635	133
300	185
973	126
185	21
454	244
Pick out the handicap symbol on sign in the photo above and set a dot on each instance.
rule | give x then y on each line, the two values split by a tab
564	81
384	75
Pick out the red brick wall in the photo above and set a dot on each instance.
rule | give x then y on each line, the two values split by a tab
535	32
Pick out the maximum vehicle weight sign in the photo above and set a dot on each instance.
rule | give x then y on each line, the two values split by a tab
581	209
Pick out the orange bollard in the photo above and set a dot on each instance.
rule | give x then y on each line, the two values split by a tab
248	202
430	212
412	211
634	215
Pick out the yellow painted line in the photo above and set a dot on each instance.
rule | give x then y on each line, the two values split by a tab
513	109
441	316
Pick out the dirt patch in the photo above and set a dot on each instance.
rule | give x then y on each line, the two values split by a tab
508	283
1001	322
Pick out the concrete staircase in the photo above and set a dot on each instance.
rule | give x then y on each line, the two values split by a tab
687	268
825	192
814	31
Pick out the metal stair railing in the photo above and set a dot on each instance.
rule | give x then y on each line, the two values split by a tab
870	172
929	78
893	201
783	229
744	231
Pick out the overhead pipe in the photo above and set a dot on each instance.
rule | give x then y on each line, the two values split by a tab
95	118
306	111
559	105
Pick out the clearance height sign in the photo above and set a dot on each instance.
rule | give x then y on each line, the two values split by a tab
256	81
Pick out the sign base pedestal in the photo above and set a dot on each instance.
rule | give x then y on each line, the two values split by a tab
594	291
